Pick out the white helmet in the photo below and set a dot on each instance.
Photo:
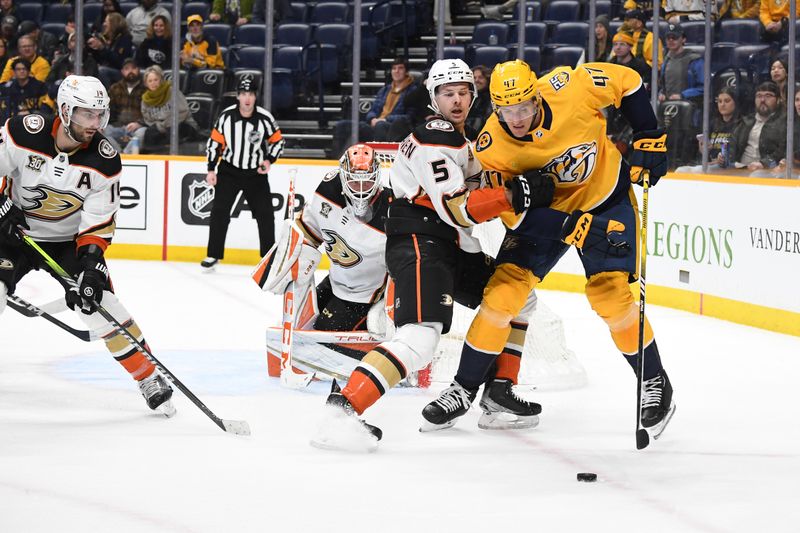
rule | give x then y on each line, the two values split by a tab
82	91
449	71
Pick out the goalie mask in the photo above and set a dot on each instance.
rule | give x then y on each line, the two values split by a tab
83	101
359	170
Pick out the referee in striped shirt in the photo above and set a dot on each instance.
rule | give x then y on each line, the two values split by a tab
244	143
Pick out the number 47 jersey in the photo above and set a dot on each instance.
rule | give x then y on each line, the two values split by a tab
63	195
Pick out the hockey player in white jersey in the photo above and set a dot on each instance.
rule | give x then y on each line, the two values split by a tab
346	217
430	252
61	187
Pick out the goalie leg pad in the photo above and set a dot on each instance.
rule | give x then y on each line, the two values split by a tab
134	361
410	349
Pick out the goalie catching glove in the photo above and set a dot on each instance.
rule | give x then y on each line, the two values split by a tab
91	281
290	259
530	190
595	234
649	153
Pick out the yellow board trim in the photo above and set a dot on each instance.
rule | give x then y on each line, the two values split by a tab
739	180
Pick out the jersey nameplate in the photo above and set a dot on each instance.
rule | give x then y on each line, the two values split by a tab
33	123
440	125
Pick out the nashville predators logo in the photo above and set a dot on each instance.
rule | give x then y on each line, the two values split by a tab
575	165
559	80
483	142
339	251
51	204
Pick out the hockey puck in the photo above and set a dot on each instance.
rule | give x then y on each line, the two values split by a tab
587	476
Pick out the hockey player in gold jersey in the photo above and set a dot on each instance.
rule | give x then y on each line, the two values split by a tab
555	126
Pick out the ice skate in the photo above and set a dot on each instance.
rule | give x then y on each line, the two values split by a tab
157	393
503	409
443	412
343	430
657	404
209	264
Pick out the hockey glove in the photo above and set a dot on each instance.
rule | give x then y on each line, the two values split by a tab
595	234
88	295
649	153
11	217
530	190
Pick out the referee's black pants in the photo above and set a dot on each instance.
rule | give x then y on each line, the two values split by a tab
255	187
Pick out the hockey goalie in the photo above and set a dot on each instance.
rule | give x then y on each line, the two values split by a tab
340	319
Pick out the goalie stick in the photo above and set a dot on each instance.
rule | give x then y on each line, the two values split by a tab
642	437
29	310
237	427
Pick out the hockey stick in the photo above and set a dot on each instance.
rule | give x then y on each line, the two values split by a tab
289	378
642	437
237	427
28	309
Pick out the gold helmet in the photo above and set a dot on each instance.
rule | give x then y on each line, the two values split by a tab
512	82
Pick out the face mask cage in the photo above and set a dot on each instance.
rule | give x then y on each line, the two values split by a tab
359	172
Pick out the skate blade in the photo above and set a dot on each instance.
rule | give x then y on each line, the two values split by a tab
659	428
341	432
367	446
428	427
501	420
166	409
208	270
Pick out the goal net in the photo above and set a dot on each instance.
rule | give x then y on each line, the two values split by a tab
547	362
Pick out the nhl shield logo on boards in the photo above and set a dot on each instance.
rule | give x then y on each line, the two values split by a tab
201	194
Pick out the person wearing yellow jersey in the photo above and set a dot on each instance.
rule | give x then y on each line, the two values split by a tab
554	126
643	39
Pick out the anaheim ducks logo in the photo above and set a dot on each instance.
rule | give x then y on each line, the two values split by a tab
575	165
47	203
339	251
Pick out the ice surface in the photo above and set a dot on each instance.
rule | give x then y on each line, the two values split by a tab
80	451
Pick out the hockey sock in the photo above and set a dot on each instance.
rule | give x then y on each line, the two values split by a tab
379	371
509	359
129	357
473	367
652	361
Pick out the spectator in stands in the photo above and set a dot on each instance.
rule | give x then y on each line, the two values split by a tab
642	39
46	42
417	103
114	45
157	111
387	107
681	76
282	11
64	65
39	66
8	31
200	51
774	17
778	73
24	94
63	40
645	6
140	16
677	11
740	9
157	48
482	107
759	142
725	120
796	147
109	6
126	105
233	12
623	55
602	39
3	51
8	9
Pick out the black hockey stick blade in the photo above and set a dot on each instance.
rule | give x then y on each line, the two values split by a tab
31	311
642	439
237	427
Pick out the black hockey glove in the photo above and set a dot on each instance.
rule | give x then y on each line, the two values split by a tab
530	190
11	217
91	281
649	153
595	234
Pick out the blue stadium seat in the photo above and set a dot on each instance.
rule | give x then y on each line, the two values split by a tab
126	7
202	108
207	81
195	8
108	75
57	13
490	33
695	31
324	58
252	74
288	57
183	81
490	56
339	35
91	12
56	28
299	12
532	55
328	13
221	32
283	90
293	34
722	56
571	33
373	19
741	31
454	51
250	34
563	55
30	11
753	57
614	25
533	11
662	27
249	57
562	11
